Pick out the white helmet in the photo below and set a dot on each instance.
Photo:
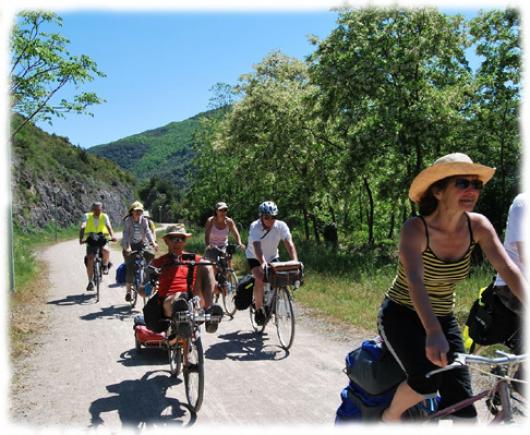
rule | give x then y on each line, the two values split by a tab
268	208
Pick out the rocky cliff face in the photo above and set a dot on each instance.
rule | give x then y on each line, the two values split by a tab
54	182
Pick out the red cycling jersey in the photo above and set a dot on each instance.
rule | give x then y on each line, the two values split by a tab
173	278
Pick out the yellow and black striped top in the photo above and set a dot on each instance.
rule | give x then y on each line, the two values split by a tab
440	278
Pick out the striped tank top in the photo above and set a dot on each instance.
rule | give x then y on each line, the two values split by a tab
440	278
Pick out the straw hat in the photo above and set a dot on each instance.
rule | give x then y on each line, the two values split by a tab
176	230
136	205
447	166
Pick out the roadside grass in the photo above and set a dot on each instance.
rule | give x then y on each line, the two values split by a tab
350	286
26	313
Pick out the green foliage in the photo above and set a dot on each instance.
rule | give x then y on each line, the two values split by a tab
41	66
42	154
25	241
165	151
340	137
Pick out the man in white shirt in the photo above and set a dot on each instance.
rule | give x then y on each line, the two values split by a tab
263	239
515	245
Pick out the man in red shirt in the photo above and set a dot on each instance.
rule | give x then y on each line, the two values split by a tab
173	283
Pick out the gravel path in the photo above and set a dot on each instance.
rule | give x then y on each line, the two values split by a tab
86	372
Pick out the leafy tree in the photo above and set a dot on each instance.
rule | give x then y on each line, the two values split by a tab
392	86
493	115
41	66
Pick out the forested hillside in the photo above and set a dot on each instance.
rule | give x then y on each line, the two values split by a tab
54	182
164	152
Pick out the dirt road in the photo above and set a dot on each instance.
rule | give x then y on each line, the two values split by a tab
87	373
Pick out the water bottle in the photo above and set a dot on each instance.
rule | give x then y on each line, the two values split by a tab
148	288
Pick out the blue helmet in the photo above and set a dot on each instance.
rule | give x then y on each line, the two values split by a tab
268	208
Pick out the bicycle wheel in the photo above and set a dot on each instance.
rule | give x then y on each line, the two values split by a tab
258	328
97	276
138	280
175	360
194	374
230	293
284	315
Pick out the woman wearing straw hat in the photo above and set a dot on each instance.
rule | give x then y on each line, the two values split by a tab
136	235
416	318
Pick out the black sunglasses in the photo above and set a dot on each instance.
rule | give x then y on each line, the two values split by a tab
176	238
464	183
269	217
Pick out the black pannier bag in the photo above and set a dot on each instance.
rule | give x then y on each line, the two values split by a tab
245	288
490	321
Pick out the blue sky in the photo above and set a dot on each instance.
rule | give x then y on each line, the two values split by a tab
160	65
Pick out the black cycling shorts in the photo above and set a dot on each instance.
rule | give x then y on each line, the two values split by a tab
404	336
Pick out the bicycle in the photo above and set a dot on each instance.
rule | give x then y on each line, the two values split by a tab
97	241
139	275
278	302
226	279
185	355
499	396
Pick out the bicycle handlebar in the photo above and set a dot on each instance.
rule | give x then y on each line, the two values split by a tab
461	359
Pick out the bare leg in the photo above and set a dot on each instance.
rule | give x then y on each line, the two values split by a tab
404	398
90	266
105	253
205	284
257	273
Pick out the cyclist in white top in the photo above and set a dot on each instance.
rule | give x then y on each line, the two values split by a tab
263	239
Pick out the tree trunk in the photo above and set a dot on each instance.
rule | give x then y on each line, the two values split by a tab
370	212
306	223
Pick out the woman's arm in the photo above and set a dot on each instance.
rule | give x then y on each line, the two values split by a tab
411	245
207	229
488	240
233	229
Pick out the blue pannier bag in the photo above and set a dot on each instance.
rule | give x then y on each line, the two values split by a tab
374	375
120	274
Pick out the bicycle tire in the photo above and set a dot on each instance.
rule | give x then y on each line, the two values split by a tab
194	374
175	360
284	317
138	280
230	293
257	328
97	276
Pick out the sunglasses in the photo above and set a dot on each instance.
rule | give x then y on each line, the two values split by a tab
267	217
464	183
176	238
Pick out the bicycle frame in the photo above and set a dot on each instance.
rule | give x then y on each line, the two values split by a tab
502	386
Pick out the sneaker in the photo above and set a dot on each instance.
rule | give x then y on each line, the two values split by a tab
105	269
90	286
214	310
182	327
259	317
128	297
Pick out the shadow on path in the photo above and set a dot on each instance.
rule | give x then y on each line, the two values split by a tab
122	312
82	298
245	346
143	403
147	357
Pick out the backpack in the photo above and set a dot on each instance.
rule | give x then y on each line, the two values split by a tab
120	274
245	289
374	376
489	320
